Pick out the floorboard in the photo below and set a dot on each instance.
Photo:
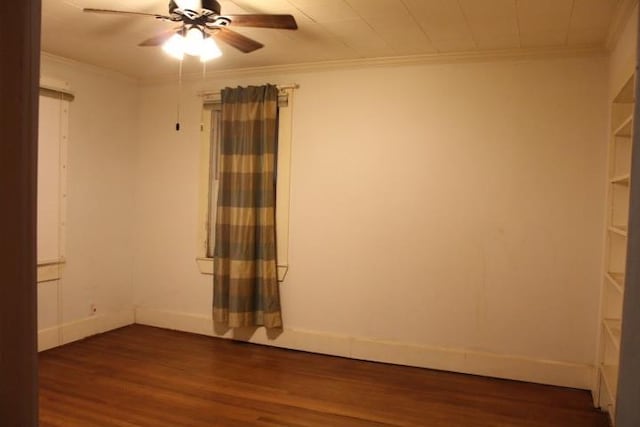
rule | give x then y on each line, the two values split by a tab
144	376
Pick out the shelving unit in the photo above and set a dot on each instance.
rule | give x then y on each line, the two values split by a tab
613	328
619	182
618	229
624	129
616	280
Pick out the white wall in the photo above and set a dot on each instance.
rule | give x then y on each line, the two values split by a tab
622	61
101	157
447	216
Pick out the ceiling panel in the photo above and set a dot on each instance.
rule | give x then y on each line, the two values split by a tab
543	39
359	35
328	30
586	37
406	40
493	23
313	42
491	18
591	14
256	6
456	45
496	43
383	9
391	20
326	10
536	16
442	20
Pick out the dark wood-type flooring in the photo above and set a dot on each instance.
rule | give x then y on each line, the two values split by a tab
143	376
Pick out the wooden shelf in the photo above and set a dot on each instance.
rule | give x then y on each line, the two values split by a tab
614	331
627	94
617	281
625	128
621	179
619	229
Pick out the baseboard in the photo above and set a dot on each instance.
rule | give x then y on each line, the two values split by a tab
82	328
449	359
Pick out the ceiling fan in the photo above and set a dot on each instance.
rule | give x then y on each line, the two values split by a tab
201	21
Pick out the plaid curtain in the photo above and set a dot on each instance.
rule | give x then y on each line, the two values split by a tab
245	282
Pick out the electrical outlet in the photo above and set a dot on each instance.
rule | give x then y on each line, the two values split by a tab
93	309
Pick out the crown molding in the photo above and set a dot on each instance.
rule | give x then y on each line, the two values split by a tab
621	16
94	69
436	58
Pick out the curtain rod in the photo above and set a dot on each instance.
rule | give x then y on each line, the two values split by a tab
211	94
48	84
53	92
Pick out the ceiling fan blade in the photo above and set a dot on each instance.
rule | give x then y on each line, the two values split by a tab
283	22
237	40
158	39
122	12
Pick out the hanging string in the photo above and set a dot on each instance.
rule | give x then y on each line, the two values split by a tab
179	96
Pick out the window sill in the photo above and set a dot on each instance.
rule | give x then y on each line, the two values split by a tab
50	270
205	265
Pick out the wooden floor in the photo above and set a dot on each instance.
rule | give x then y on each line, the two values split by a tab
143	376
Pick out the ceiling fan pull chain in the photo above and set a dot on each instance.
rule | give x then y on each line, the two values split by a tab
179	96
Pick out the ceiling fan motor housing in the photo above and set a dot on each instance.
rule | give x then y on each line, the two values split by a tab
208	5
211	5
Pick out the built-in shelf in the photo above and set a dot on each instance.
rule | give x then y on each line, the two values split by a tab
619	229
625	127
616	280
612	296
621	179
627	94
613	328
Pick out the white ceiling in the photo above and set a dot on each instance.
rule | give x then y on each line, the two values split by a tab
329	30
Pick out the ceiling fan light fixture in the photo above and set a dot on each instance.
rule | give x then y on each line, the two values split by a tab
193	41
175	46
210	50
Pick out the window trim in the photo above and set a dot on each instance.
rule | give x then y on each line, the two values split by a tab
283	184
49	270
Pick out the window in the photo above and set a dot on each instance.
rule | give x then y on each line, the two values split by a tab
211	117
55	99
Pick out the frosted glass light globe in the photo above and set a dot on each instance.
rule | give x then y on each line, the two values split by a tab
193	41
175	46
210	50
